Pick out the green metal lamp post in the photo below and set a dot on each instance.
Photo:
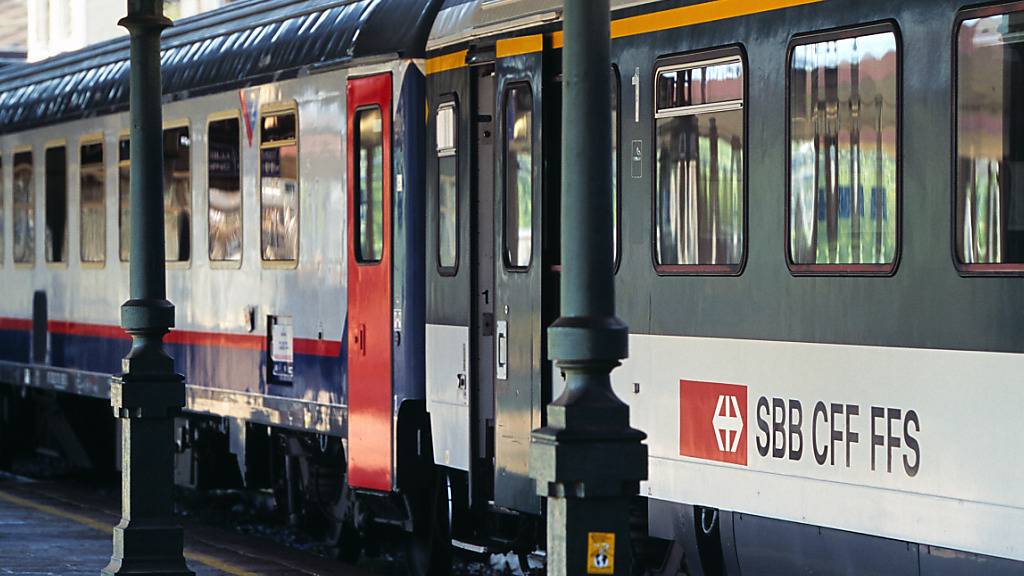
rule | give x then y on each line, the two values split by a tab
587	461
148	394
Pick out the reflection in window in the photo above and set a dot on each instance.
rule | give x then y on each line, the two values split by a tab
369	178
177	195
279	187
700	193
518	177
56	204
990	140
93	226
124	187
225	190
843	189
24	209
616	205
3	214
447	197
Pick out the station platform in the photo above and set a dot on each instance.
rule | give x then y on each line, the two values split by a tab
46	531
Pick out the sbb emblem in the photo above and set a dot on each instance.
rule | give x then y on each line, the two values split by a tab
711	421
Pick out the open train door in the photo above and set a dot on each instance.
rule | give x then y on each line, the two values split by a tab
369	282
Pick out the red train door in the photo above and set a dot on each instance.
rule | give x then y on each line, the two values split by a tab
369	282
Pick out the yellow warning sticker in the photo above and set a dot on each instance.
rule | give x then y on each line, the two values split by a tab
600	553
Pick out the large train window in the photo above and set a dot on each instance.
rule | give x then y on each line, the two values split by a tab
369	188
447	189
700	195
177	195
92	203
279	186
56	208
224	190
616	191
518	210
843	189
24	200
124	187
3	216
989	220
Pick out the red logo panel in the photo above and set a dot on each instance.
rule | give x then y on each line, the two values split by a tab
713	421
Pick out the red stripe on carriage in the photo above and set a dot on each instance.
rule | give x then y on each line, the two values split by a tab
304	346
15	324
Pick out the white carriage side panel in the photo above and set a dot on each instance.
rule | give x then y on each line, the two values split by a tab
447	368
955	464
207	299
90	295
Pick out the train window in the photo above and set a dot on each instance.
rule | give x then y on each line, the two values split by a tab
177	195
369	178
223	166
447	191
279	187
124	187
700	194
92	205
843	157
24	200
3	215
56	213
989	165
518	211
616	193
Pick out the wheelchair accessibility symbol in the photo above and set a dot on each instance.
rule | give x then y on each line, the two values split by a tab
600	553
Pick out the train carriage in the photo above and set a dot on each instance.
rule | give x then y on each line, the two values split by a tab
293	218
816	271
816	230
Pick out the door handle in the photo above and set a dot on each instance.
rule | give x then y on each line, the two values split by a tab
501	355
362	339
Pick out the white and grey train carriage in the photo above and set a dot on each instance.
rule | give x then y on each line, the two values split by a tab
818	255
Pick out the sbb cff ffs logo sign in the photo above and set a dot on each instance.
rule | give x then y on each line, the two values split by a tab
712	421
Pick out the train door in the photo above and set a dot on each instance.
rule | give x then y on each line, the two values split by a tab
482	207
518	361
369	282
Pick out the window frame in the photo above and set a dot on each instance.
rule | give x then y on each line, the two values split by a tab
616	82
67	249
234	114
355	139
83	141
964	269
30	150
503	246
861	270
684	61
279	109
449	101
173	125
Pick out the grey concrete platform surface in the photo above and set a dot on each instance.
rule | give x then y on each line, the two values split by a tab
44	531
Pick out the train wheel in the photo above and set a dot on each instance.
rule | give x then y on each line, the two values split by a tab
345	541
428	545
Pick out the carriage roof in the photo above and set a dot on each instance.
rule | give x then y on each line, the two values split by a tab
244	43
461	21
